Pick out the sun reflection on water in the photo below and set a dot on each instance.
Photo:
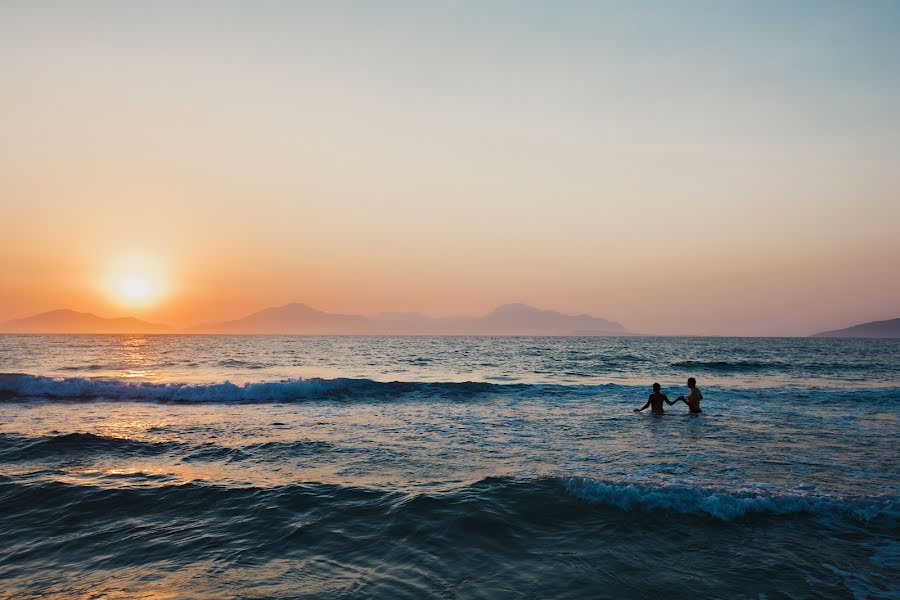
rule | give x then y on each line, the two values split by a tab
135	357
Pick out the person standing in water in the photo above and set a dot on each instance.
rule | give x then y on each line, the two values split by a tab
655	401
693	398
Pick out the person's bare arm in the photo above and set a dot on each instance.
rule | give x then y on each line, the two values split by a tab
643	407
669	402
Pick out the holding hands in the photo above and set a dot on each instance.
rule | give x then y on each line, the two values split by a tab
656	400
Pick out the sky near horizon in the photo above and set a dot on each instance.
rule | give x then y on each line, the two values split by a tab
728	168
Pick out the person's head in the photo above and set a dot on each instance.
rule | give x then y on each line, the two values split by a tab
655	388
691	382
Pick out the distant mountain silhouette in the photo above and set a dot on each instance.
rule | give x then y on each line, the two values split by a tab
71	321
521	319
509	319
874	329
294	318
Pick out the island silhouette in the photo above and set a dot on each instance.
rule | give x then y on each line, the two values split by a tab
874	329
300	319
73	321
297	318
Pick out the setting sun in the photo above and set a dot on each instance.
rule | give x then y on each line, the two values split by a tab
135	289
135	281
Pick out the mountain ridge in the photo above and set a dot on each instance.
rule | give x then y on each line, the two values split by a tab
297	318
64	320
889	328
507	319
291	318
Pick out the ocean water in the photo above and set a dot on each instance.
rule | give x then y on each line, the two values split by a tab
308	467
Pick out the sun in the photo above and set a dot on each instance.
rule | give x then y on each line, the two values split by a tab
135	289
135	283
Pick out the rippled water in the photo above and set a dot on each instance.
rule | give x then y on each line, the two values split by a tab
450	467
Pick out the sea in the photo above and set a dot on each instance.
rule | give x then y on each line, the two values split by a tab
447	467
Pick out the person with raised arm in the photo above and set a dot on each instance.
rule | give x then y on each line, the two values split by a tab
655	401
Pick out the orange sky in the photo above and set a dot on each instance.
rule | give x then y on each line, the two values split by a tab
708	173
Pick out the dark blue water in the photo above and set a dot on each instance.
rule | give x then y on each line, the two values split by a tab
216	467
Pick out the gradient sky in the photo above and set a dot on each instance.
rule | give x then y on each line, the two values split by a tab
679	167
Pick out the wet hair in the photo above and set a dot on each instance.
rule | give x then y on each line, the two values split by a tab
691	381
655	387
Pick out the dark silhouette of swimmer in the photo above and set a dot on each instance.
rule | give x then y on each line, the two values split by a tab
694	397
655	401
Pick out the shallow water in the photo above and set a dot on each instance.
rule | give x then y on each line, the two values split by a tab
450	467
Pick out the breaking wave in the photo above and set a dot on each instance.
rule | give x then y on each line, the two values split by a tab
22	385
33	386
513	496
727	505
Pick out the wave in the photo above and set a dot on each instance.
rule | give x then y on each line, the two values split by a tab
550	496
34	386
261	452
21	385
234	363
25	386
15	448
736	366
497	536
750	366
720	504
727	505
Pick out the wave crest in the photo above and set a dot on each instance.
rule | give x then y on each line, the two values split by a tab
292	390
726	505
723	366
16	448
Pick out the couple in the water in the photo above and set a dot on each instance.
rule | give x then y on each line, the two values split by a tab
656	399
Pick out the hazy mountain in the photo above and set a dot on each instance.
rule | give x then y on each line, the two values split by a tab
521	319
294	318
71	321
875	329
510	319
